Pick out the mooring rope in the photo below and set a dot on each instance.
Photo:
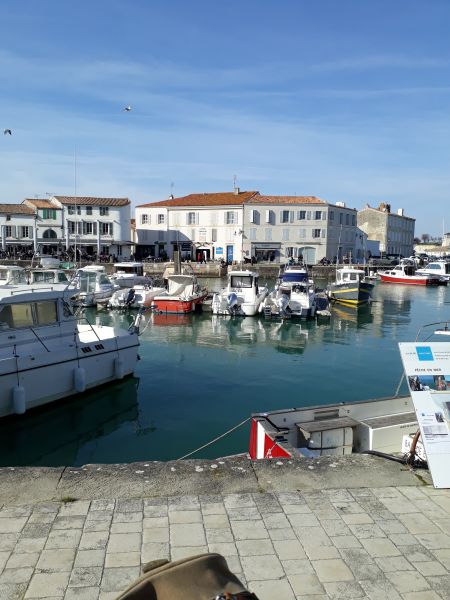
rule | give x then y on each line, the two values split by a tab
215	439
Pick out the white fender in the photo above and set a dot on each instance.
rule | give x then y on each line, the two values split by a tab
18	394
79	379
119	370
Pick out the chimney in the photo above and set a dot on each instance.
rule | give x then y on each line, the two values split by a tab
236	191
171	197
400	212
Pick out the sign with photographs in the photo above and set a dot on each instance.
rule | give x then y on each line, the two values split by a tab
427	370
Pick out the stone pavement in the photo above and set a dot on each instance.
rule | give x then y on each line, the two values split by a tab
359	542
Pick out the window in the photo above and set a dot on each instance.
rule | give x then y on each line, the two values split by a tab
46	312
8	231
75	210
230	217
48	213
8	217
252	233
347	219
105	228
269	216
191	218
341	218
316	233
353	220
285	216
308	215
253	216
49	234
285	235
161	219
268	235
104	211
25	231
89	210
214	235
302	233
89	228
301	215
331	215
318	215
144	219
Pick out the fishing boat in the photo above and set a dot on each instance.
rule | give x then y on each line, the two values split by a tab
135	297
47	354
182	294
350	287
94	285
243	296
294	295
406	273
441	268
129	274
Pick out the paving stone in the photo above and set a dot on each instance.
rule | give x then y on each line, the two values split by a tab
123	559
187	534
213	508
58	560
8	541
297	566
25	545
306	585
276	521
402	539
102	505
156	511
153	522
101	525
434	541
224	548
441	584
418	523
126	527
45	585
183	503
282	534
408	581
69	522
12	524
12	591
258	568
295	509
4	556
18	575
392	526
159	534
345	541
73	509
36	530
312	536
367	571
348	508
443	524
356	556
89	558
321	552
379	589
303	520
249	548
117	579
94	540
249	530
443	555
239	501
185	516
82	593
394	563
290	498
367	530
124	542
430	568
250	513
335	527
85	576
216	521
127	517
133	505
341	590
40	517
185	551
417	553
425	595
267	503
153	551
19	560
288	549
270	589
379	547
332	570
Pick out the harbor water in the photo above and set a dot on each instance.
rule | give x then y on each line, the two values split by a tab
201	375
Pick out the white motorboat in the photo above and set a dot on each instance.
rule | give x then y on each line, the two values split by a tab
47	354
94	285
129	274
135	297
441	268
243	295
47	276
294	295
12	275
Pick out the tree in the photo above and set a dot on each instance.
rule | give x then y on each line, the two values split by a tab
425	238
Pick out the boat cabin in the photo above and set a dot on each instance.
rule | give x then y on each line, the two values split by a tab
47	276
239	280
134	268
23	309
349	275
12	275
90	280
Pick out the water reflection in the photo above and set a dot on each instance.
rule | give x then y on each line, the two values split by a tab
54	434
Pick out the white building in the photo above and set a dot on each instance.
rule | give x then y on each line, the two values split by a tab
243	225
394	231
17	227
83	224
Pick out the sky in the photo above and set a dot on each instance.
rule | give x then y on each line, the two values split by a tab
348	101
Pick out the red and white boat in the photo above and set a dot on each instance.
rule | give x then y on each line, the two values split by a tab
183	295
407	274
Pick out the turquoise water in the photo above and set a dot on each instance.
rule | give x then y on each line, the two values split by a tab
200	375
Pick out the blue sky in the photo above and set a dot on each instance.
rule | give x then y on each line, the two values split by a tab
348	101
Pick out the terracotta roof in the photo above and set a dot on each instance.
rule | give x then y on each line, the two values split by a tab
286	200
16	209
41	203
91	201
215	199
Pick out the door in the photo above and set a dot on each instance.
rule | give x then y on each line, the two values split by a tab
229	254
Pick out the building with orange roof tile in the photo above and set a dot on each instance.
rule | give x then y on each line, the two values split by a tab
239	226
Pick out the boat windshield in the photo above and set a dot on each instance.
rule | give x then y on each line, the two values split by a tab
28	314
241	281
103	279
294	277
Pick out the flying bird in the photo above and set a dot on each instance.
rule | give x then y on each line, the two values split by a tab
127	108
7	131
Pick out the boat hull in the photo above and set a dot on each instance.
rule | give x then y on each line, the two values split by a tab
411	280
166	304
351	293
71	369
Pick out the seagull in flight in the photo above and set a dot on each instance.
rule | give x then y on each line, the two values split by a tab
7	132
127	108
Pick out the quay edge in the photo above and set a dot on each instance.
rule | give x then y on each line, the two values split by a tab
29	485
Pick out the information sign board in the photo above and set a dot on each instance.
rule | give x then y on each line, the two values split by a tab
427	370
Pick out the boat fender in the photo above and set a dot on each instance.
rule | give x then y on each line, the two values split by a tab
79	379
119	370
19	405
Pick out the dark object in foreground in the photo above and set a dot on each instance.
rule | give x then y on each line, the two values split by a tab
200	577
